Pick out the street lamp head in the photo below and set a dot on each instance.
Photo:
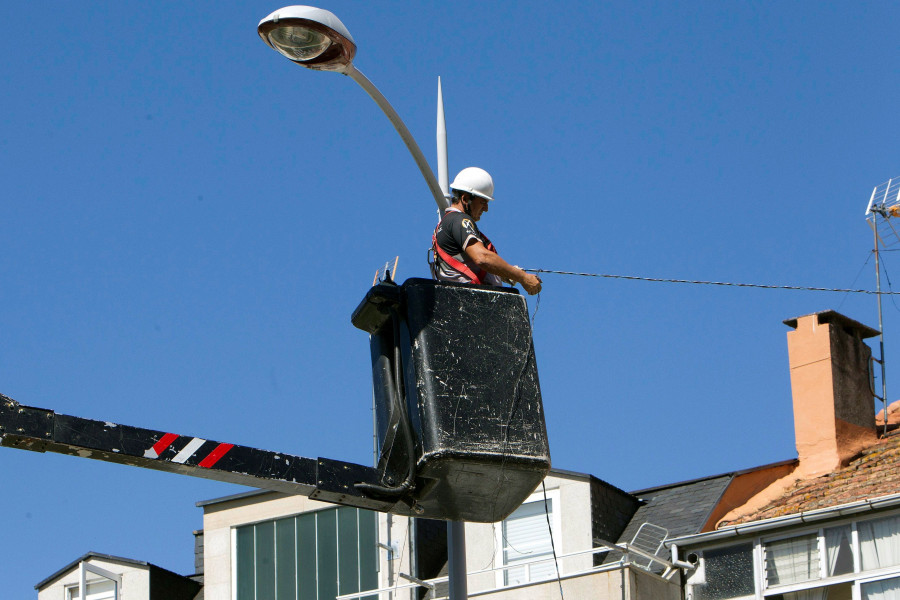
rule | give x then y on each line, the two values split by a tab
311	37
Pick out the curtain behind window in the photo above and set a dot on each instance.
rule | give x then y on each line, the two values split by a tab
817	594
886	589
879	542
839	549
793	560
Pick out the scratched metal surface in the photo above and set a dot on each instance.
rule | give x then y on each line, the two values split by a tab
474	397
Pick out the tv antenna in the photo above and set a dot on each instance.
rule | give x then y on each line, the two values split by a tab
884	205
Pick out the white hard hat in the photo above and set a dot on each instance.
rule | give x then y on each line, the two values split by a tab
475	181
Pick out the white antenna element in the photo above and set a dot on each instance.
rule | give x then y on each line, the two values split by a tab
884	204
442	164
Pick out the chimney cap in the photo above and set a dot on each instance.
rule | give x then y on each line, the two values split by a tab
830	316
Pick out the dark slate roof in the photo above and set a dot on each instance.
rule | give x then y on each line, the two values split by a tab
681	508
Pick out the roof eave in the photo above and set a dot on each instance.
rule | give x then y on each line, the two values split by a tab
812	516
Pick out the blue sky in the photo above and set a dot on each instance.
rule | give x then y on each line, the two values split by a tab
189	220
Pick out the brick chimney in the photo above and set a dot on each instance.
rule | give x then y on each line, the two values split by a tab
834	413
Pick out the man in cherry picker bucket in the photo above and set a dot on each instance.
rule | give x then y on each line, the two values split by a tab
461	252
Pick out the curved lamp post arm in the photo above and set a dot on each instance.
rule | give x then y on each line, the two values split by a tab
401	128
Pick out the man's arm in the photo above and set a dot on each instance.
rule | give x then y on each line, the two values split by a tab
492	263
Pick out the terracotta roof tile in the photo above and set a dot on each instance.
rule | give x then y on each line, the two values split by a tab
875	472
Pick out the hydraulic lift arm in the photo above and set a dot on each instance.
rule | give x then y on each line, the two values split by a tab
459	416
41	430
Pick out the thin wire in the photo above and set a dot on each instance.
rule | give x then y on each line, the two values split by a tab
505	453
552	543
890	287
723	283
537	305
869	256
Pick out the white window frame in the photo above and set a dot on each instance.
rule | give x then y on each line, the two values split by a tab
857	585
754	553
72	591
856	578
83	586
553	496
819	534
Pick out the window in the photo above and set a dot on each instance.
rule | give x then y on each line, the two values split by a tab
98	590
857	560
525	540
843	591
885	589
793	560
839	550
313	556
879	543
725	574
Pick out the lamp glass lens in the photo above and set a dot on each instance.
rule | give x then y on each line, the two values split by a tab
299	43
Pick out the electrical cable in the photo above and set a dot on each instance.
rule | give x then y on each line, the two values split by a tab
512	411
721	283
398	397
890	287
537	305
505	445
552	543
869	255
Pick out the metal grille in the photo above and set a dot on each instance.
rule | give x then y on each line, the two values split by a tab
649	538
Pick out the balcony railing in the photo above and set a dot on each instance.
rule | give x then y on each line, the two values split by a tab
617	557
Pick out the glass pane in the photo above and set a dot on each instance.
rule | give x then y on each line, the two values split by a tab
265	561
728	574
285	560
840	550
348	551
306	557
879	542
299	43
886	589
792	560
368	552
100	590
841	591
526	540
326	553
244	570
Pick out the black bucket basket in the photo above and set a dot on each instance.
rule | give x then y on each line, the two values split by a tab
458	407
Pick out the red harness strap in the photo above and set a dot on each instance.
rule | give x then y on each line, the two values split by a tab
456	264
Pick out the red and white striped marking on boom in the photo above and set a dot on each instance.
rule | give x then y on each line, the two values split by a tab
188	451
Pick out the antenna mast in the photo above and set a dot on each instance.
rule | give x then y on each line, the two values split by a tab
883	205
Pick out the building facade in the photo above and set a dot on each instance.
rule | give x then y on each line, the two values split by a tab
822	526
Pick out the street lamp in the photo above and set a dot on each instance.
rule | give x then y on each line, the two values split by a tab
316	39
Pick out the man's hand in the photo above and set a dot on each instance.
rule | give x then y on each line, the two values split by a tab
532	284
492	263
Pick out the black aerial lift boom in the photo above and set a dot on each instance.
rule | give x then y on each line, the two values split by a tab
458	409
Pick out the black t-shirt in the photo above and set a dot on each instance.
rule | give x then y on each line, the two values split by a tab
456	231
